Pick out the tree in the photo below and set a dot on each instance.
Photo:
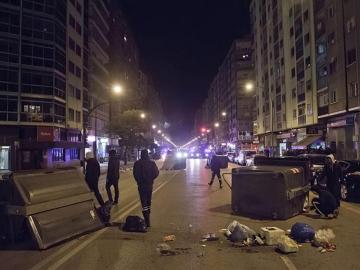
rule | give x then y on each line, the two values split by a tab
131	129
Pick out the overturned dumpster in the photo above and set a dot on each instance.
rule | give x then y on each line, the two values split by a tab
270	191
50	207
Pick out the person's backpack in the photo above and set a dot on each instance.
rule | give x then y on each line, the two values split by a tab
134	224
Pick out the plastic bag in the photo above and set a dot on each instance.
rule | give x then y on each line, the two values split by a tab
287	245
249	233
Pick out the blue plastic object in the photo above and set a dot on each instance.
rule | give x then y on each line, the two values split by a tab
302	232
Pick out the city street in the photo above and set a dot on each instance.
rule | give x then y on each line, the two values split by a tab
184	205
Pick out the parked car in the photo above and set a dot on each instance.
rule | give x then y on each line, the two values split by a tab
246	157
231	156
350	183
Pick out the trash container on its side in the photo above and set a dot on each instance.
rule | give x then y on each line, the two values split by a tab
271	192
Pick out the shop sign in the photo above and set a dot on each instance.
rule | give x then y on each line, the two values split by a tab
45	134
349	121
285	135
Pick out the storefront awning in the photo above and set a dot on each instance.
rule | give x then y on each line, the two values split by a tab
310	139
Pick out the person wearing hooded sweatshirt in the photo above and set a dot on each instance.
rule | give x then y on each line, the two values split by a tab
333	172
92	174
112	178
145	172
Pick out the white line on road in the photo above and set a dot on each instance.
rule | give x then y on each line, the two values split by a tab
289	264
82	245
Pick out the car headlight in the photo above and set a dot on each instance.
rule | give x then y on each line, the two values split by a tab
185	155
192	155
179	155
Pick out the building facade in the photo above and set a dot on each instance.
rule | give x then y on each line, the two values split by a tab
285	65
37	131
228	110
337	74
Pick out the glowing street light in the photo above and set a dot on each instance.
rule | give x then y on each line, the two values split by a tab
117	88
203	130
154	127
163	135
208	131
159	131
217	125
143	115
223	114
249	86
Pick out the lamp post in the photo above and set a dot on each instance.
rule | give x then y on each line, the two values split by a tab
116	89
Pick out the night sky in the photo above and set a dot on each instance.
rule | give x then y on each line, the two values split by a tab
181	44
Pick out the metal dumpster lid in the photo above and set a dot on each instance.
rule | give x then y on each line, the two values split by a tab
268	168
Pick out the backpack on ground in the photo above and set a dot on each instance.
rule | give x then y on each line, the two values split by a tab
134	224
104	212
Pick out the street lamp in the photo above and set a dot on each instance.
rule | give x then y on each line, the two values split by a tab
153	126
143	115
117	89
223	113
217	125
159	131
249	86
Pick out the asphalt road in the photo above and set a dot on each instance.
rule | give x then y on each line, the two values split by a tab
184	205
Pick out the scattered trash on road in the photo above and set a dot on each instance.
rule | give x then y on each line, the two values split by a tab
165	250
323	239
169	238
302	232
271	235
209	237
287	245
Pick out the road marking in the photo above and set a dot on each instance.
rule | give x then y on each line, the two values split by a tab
350	208
131	206
289	264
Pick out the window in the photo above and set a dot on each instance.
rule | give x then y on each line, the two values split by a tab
71	44
307	38
78	50
308	85
292	52
78	28
71	67
291	31
309	109
351	56
307	62
78	72
332	65
331	38
333	96
294	114
78	117
78	93
72	21
71	91
74	153
78	7
350	24
321	49
71	115
58	154
323	71
292	72
331	12
353	88
306	15
293	93
323	99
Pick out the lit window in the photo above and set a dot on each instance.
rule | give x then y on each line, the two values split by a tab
125	38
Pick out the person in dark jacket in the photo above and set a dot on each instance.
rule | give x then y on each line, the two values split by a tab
326	204
215	167
92	174
145	172
333	173
112	178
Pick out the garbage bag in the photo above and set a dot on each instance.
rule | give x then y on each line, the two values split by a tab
324	236
238	235
302	232
250	233
287	245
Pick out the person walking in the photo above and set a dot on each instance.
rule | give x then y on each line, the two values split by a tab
92	174
145	172
215	167
112	177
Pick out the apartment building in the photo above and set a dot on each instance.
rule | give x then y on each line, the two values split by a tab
337	74
285	71
36	128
